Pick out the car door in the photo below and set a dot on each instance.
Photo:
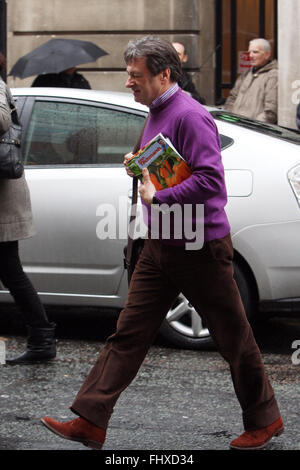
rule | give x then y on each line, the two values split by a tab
73	153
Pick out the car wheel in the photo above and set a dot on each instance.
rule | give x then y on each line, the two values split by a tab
184	327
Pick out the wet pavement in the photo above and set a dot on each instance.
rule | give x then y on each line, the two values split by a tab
180	400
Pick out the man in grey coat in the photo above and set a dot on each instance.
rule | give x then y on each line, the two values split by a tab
254	94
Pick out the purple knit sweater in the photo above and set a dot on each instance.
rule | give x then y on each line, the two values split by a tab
194	134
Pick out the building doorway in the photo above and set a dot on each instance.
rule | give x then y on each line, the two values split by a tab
237	22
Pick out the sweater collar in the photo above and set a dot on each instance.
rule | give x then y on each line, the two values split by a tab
164	97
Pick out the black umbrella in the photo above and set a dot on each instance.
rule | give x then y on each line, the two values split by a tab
55	56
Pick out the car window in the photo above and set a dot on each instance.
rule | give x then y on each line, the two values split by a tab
61	133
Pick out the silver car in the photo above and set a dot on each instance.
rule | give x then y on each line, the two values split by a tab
74	143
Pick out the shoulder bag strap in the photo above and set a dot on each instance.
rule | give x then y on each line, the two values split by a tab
13	109
133	203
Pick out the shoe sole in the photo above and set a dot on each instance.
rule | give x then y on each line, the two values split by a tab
276	434
34	361
14	361
88	443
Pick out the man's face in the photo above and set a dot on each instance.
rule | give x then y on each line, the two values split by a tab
258	57
145	87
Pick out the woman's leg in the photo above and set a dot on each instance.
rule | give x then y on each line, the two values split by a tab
40	344
19	285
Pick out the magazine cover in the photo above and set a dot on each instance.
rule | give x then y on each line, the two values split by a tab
165	165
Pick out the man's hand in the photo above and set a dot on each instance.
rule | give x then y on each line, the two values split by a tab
147	189
127	158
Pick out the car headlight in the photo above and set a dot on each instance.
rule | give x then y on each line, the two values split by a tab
294	179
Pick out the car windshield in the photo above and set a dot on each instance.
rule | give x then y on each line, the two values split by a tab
280	132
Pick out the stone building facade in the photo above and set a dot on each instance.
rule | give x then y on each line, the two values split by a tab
112	23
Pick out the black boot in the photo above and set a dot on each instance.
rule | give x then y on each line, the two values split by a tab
41	346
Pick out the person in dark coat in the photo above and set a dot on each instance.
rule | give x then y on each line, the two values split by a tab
69	78
186	82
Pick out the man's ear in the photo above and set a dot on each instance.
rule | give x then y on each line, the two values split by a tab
165	75
185	58
269	53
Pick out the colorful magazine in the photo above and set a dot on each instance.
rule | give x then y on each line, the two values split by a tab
165	165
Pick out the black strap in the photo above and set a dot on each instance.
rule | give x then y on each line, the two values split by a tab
133	203
13	109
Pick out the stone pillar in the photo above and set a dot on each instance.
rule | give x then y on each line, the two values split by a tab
111	24
289	61
207	44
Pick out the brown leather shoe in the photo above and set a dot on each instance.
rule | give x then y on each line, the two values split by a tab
253	440
79	430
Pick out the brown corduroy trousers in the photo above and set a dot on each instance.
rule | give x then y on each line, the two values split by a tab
205	277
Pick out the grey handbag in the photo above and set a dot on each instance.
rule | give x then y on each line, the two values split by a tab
11	162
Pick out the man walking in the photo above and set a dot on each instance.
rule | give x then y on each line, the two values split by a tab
166	267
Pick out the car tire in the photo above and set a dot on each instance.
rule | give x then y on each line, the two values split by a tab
184	327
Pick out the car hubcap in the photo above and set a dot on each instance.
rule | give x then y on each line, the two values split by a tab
186	320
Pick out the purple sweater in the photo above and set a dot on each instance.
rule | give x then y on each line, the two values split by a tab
194	134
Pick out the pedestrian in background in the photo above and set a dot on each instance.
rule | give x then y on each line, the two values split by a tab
185	81
254	94
167	266
16	224
69	78
298	116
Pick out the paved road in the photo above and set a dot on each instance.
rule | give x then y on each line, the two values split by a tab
180	400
